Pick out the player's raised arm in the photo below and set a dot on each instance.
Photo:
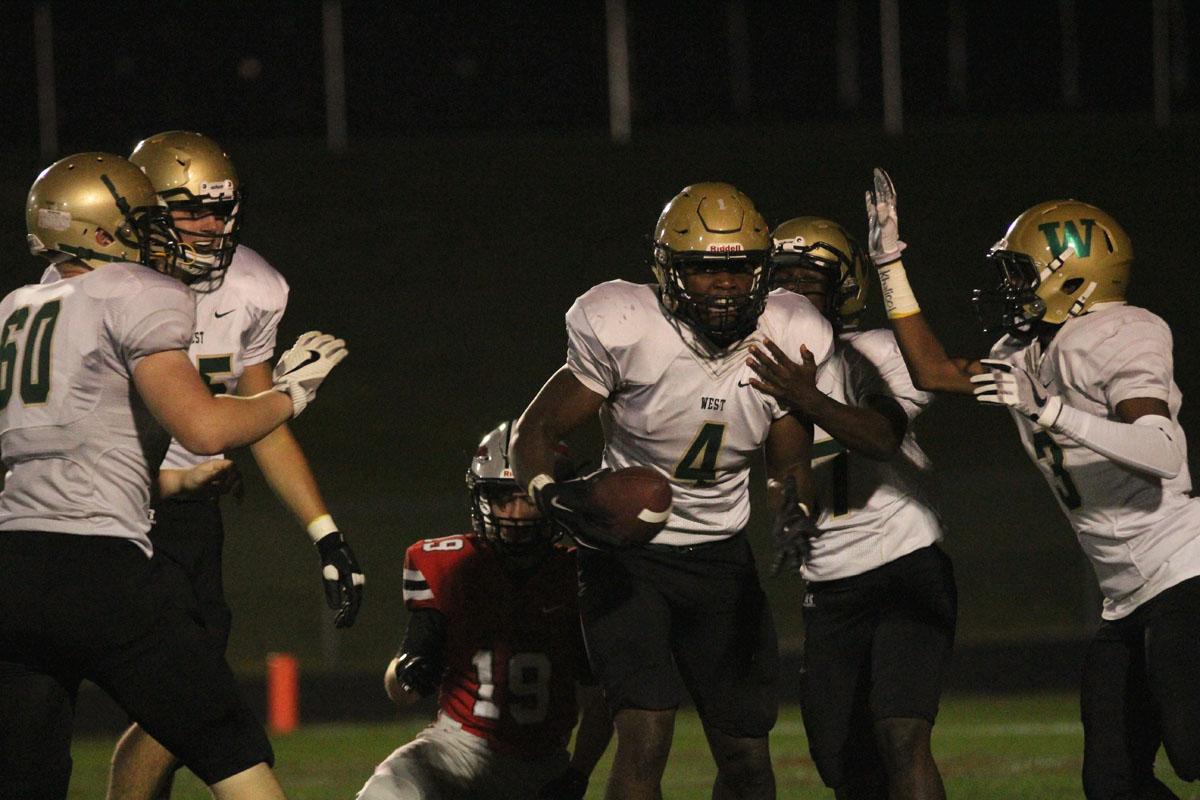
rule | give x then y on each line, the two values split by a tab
932	369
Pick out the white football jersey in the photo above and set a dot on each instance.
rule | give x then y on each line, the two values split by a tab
1141	533
673	406
79	445
235	328
871	512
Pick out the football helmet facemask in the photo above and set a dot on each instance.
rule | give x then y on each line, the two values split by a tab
197	180
823	246
712	227
492	485
1057	260
97	209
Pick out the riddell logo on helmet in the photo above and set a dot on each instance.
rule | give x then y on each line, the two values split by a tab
724	248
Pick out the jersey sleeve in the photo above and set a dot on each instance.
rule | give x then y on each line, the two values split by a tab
159	317
587	356
419	568
1135	361
268	301
879	369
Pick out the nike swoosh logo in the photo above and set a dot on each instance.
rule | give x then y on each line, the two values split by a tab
313	355
554	502
552	609
225	313
742	385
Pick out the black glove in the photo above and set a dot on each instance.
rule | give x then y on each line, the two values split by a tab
571	784
793	531
569	505
343	578
420	674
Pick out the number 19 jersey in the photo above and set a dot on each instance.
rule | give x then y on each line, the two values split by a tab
674	405
80	446
514	650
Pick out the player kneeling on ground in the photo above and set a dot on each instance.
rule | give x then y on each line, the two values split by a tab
665	367
494	630
1089	382
95	381
880	602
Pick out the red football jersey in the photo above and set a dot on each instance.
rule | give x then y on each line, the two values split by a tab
513	650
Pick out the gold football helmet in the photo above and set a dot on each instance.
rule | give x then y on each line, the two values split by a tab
824	246
197	181
98	208
1057	260
712	227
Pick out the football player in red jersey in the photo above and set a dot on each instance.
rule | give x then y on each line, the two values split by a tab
494	630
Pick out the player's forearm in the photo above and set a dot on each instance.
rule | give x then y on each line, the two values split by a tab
1148	445
236	422
932	370
594	732
863	430
289	475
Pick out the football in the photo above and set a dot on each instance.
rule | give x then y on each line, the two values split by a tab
637	499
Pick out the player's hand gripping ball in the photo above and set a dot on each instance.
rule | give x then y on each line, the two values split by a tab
637	501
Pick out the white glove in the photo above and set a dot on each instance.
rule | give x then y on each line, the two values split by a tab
883	225
300	370
1008	385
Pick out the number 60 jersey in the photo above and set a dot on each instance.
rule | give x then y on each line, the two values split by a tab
79	444
514	650
674	405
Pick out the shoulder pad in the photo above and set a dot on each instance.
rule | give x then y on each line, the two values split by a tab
259	283
618	311
790	320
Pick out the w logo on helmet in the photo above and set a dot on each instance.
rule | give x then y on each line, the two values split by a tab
1083	246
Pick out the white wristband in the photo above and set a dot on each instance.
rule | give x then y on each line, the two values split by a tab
321	527
898	297
539	482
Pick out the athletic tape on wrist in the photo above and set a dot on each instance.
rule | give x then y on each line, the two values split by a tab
898	297
321	527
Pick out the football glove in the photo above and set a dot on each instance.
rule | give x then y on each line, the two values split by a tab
793	531
1007	385
343	578
569	505
570	784
883	224
420	674
300	371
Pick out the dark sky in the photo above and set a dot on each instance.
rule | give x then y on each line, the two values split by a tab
254	68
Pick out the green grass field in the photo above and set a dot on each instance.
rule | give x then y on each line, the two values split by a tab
1026	747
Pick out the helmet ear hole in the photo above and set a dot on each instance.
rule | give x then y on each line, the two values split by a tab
1071	286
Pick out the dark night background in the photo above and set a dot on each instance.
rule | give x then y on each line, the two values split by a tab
480	194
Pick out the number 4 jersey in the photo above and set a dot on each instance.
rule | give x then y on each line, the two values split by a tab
514	650
1141	533
79	445
674	405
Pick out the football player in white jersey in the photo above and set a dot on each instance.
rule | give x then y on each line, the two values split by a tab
665	367
240	299
94	382
880	602
1089	381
